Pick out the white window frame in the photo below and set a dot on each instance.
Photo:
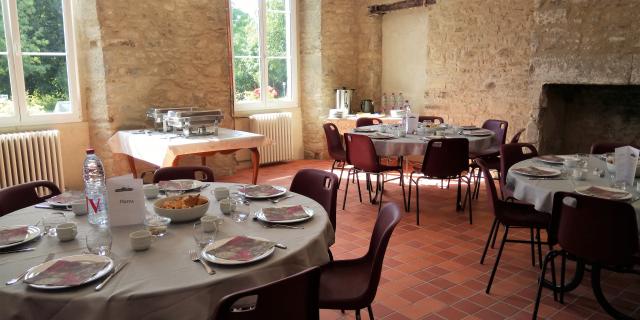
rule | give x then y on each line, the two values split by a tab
16	71
292	43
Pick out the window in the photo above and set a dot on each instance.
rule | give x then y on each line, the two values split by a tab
37	68
264	53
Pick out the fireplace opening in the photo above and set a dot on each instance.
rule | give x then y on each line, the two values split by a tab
573	116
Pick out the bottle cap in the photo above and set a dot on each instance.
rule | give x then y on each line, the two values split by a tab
91	151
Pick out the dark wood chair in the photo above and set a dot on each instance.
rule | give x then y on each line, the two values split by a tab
511	215
443	159
363	122
511	154
361	154
516	137
191	172
434	119
491	155
27	194
335	147
598	232
607	147
352	284
292	298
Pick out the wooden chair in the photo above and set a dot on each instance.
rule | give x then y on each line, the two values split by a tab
363	122
191	172
23	195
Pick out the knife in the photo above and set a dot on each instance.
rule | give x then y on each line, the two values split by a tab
118	268
17	250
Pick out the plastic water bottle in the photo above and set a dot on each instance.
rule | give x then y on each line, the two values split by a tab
407	114
95	189
384	103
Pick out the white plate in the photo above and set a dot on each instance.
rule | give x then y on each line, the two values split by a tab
551	161
469	128
581	190
477	133
64	199
260	215
282	190
184	185
214	259
33	232
32	272
552	172
364	130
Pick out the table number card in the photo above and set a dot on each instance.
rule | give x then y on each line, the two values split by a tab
126	204
626	161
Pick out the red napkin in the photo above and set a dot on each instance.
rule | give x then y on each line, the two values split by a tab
533	171
12	235
67	273
284	213
604	193
552	158
242	248
261	191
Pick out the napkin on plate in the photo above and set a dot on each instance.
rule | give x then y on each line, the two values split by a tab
175	185
260	190
241	248
13	235
552	158
533	171
67	273
596	191
284	213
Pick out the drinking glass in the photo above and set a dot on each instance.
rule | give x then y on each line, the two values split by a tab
99	241
201	237
241	212
50	221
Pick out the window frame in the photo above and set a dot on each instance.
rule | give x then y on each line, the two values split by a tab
21	115
292	40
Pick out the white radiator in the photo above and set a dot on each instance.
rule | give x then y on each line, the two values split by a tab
30	156
277	128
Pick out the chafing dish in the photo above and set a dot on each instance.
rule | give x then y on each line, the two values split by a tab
195	123
157	116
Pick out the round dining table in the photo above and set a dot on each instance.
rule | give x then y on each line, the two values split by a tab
412	144
162	282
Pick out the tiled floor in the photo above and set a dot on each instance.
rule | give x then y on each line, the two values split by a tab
432	271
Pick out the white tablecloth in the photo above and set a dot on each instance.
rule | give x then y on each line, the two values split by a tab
161	149
161	283
540	192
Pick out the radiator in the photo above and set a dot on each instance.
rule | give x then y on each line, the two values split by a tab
30	156
277	128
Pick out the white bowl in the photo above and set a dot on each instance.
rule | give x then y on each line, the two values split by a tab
181	215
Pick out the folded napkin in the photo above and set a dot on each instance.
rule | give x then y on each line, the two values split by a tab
241	248
285	213
382	136
175	185
551	158
533	171
260	191
596	191
477	132
67	273
13	235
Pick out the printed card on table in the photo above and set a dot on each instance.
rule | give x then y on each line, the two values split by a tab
126	204
626	161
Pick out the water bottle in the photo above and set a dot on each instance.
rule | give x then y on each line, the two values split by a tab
393	101
384	103
95	189
407	113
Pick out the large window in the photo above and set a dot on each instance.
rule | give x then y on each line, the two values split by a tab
264	53
37	70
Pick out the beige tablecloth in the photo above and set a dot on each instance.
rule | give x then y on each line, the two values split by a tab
161	283
161	149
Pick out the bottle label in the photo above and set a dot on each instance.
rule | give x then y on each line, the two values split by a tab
94	205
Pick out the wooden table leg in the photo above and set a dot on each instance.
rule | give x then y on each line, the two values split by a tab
132	165
255	161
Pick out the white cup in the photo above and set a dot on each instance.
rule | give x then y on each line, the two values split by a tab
66	231
209	223
140	240
79	207
151	191
221	193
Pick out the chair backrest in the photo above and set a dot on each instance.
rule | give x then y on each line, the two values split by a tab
361	153
191	172
597	230
511	154
606	147
499	127
320	186
292	298
516	137
446	158
434	119
334	142
491	187
361	122
23	195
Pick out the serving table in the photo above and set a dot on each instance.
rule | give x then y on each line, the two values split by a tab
161	283
165	149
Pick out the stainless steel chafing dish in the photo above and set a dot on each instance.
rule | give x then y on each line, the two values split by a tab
157	116
195	123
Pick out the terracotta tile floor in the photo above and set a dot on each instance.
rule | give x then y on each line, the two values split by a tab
432	271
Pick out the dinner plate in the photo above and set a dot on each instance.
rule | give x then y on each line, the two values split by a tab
382	136
552	159
364	130
551	172
64	199
33	232
282	190
260	215
180	185
33	271
469	128
477	133
584	191
213	259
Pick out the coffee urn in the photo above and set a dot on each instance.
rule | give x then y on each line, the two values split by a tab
343	99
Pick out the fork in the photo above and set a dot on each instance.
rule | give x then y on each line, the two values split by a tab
281	198
286	226
16	279
195	258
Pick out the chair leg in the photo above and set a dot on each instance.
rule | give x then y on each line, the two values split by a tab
381	181
341	171
540	247
358	315
495	266
486	246
358	183
370	312
458	195
533	251
408	202
330	255
495	236
346	189
563	269
404	195
536	305
418	202
470	205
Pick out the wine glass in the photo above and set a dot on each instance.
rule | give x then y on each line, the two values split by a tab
201	236
99	241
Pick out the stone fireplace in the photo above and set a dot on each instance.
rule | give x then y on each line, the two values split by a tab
573	116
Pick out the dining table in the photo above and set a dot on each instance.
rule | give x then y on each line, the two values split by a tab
161	282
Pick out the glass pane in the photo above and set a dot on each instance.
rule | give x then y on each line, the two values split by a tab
245	27
246	74
40	23
3	39
45	79
276	5
276	34
6	103
279	85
